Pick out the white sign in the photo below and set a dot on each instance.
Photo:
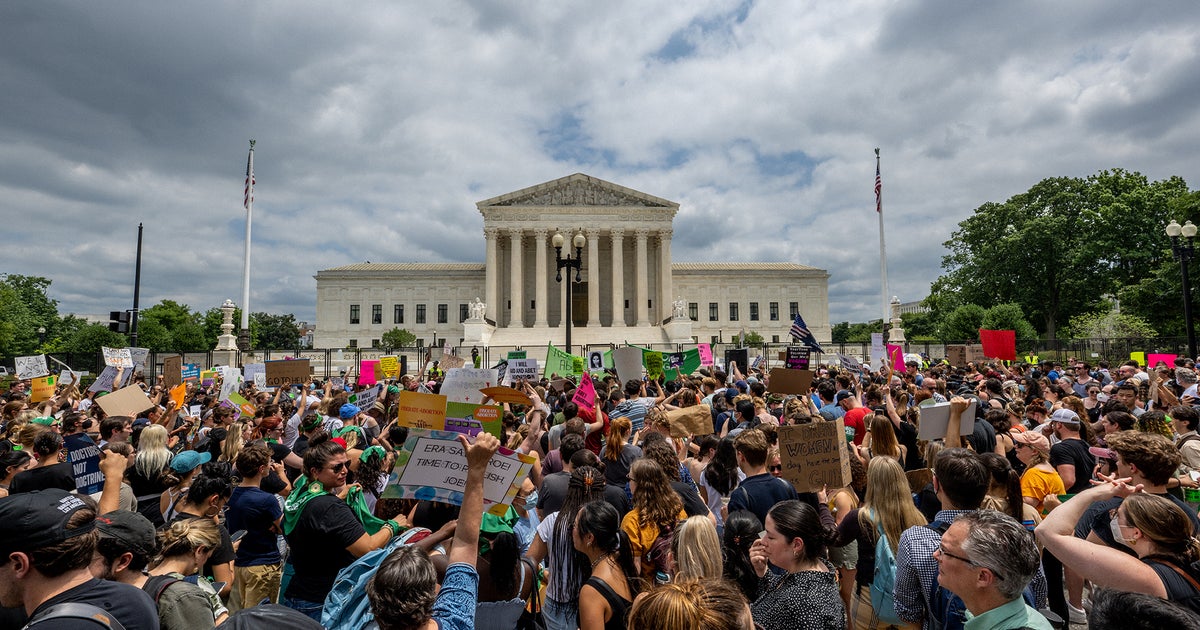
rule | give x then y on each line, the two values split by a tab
441	463
256	373
595	361
522	370
139	356
463	384
231	382
117	357
32	367
66	377
878	352
367	397
935	419
104	382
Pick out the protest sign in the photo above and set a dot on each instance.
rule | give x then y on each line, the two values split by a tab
85	463
596	361
105	382
464	384
935	419
195	410
390	366
239	402
848	362
628	362
366	372
208	377
127	401
138	356
288	372
507	395
706	355
895	358
741	356
515	354
785	381
422	411
367	397
231	382
177	395
585	394
999	344
250	372
190	372
172	371
450	361
66	377
797	358
432	466
472	419
1153	359
878	351
42	389
1140	357
815	455
31	367
117	357
561	363
654	365
688	421
561	384
522	370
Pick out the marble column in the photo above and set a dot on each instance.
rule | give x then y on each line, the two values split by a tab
618	277
491	275
593	276
664	275
541	301
643	284
516	294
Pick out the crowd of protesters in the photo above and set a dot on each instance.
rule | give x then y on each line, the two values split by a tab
1070	497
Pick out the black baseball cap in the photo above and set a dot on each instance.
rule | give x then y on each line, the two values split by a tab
131	528
33	520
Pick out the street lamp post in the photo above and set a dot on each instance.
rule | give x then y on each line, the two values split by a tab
568	263
41	335
1183	250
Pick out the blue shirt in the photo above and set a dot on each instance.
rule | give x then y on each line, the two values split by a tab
454	608
255	511
759	494
634	409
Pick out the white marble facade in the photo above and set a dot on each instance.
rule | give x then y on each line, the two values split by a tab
628	286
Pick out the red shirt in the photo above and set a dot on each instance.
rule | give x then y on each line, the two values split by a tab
856	418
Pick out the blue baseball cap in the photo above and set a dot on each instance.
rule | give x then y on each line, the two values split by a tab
187	461
348	411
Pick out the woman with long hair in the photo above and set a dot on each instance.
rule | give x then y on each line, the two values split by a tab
696	550
1004	495
805	595
613	582
692	605
881	440
505	581
721	476
149	477
656	510
239	433
553	543
186	545
1155	528
741	530
11	463
618	456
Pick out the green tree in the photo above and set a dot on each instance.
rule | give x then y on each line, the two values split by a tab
275	331
211	325
398	338
1109	325
25	306
1008	317
919	326
171	327
89	338
1156	295
963	323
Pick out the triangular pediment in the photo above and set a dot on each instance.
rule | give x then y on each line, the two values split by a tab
577	190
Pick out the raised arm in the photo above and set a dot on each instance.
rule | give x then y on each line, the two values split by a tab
466	535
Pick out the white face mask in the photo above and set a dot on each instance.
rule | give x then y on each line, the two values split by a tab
1114	526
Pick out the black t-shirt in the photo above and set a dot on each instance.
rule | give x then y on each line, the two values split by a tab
148	492
220	555
906	435
983	438
1096	519
43	478
692	503
327	526
553	493
1075	452
127	604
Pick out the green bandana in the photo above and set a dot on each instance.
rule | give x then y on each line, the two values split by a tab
374	450
303	491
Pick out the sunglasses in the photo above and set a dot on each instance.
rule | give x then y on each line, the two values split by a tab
339	467
776	469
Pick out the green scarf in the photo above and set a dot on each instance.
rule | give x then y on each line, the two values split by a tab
303	491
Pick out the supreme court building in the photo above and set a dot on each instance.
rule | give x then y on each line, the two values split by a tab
630	289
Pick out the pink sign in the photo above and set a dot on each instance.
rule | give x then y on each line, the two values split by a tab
585	394
366	372
1153	359
896	355
706	357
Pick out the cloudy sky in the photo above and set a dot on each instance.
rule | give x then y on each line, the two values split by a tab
381	124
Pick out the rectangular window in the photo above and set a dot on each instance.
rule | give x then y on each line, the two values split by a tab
398	314
626	303
714	311
774	311
420	342
442	313
462	313
733	311
374	343
353	343
353	313
754	311
694	311
376	313
420	313
793	309
774	338
714	339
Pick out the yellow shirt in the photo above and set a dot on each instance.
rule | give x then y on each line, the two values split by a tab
642	538
1037	483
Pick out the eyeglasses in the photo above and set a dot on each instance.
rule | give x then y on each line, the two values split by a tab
941	549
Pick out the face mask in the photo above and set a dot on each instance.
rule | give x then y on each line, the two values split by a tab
531	500
1114	526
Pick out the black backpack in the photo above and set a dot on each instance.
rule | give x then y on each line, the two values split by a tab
76	610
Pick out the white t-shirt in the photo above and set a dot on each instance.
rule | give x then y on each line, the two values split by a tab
714	497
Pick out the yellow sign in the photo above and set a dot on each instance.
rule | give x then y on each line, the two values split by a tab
390	366
422	411
43	388
1140	357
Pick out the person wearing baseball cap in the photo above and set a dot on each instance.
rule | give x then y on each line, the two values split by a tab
47	541
1040	478
1070	456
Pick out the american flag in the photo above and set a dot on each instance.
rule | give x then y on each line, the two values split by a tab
800	331
248	195
878	189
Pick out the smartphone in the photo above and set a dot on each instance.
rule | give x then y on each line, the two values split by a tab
238	535
218	586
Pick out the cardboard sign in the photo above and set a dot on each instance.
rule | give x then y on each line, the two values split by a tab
190	372
172	371
507	395
127	401
293	372
585	394
741	356
85	463
474	419
706	355
960	355
797	358
43	388
654	365
918	479
785	381
251	372
433	466
935	419
848	362
815	456
596	361
421	411
31	367
628	363
451	361
464	384
117	357
688	421
390	366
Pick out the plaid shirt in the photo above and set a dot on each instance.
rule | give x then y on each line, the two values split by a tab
917	572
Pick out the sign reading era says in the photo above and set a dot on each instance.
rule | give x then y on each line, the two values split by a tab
815	456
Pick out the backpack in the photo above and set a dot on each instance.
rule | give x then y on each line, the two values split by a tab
76	610
946	608
347	605
156	584
659	553
1187	596
883	584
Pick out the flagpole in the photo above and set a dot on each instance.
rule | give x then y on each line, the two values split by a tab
883	281
248	202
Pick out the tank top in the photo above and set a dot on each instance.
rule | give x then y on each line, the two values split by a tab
620	605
